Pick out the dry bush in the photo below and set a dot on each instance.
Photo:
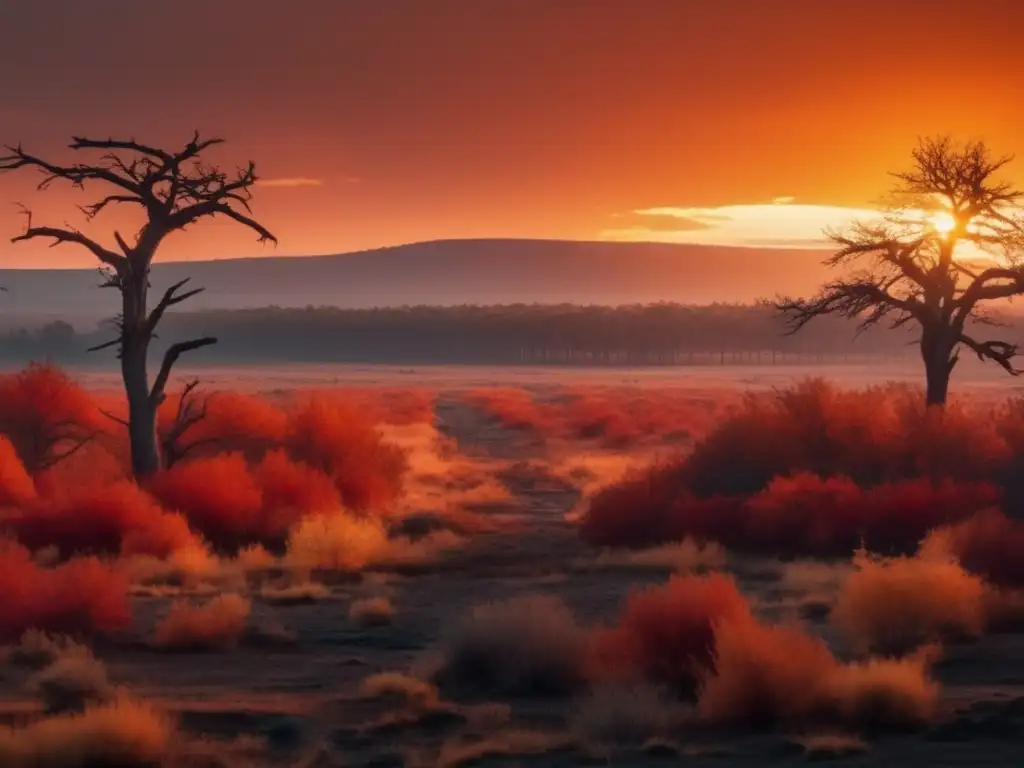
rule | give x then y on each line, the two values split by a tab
989	544
666	633
372	612
682	557
122	733
528	645
340	442
218	495
217	625
81	596
763	674
71	684
766	676
403	690
894	605
885	693
103	519
16	487
336	542
294	594
46	415
37	650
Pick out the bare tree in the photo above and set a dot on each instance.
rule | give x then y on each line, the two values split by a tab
174	190
950	241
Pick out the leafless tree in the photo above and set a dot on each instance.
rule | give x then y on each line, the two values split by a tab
949	242
174	190
190	411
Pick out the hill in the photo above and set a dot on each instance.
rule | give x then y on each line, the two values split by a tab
448	272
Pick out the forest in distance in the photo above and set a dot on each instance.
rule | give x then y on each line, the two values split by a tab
560	334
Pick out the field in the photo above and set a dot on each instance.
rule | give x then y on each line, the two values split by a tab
371	566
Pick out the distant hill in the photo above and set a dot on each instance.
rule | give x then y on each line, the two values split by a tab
446	272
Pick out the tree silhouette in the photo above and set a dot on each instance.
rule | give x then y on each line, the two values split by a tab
174	191
910	266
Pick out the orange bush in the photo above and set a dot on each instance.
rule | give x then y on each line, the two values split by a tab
766	675
81	596
101	519
45	415
16	487
666	633
340	442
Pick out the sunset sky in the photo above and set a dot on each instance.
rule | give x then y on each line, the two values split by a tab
378	122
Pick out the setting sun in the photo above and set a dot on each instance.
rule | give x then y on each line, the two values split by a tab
943	222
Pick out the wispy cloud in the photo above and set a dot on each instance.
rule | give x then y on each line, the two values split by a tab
284	183
781	223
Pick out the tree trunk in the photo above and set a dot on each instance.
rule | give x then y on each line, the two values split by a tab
936	351
141	413
135	337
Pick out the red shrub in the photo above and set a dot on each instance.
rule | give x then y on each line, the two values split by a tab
45	415
337	440
634	512
16	487
799	516
218	496
80	596
232	422
805	515
101	519
666	633
512	409
990	545
291	491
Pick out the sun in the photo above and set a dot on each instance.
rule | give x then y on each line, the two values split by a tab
943	222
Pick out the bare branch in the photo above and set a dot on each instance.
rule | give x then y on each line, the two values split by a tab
61	236
169	299
112	417
1001	352
156	394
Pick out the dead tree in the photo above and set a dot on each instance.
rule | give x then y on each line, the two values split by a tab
910	267
174	190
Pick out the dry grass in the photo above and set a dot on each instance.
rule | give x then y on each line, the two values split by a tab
123	733
372	612
217	625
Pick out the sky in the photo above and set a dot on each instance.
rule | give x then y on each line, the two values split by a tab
378	122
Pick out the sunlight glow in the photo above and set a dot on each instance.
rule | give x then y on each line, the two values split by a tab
943	222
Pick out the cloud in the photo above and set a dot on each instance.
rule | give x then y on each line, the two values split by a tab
298	181
781	223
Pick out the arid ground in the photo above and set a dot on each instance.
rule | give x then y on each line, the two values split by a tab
518	593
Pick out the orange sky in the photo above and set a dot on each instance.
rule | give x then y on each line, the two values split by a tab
420	119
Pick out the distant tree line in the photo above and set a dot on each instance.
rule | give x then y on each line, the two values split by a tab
654	334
